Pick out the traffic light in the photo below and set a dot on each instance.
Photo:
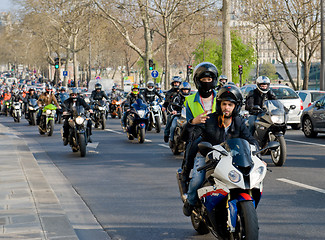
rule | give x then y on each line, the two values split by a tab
151	65
240	69
57	63
189	69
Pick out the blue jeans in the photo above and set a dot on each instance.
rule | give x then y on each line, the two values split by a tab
172	128
251	123
196	181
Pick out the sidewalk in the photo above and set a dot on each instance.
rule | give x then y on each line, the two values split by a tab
29	208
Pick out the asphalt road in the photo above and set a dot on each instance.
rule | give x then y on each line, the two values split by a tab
131	188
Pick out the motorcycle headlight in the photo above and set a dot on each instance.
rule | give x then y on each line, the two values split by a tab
80	120
234	176
48	112
277	119
53	112
257	175
141	113
101	108
30	108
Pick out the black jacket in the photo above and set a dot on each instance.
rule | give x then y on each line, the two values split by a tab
131	98
98	95
149	96
211	131
170	94
255	97
68	104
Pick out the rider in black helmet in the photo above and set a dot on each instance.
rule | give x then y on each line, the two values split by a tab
225	123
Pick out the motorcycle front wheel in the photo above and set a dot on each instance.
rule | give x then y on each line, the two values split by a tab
119	113
32	118
50	125
158	124
141	135
103	120
82	145
279	155
247	222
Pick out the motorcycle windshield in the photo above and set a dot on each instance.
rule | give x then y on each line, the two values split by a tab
240	152
64	96
32	102
77	110
274	107
138	107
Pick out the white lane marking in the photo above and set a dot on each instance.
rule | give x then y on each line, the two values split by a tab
164	145
110	130
302	142
93	145
301	185
147	140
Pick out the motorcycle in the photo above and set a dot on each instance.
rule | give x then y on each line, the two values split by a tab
137	121
78	131
179	145
155	117
271	125
7	108
47	120
115	109
31	111
99	114
16	111
231	191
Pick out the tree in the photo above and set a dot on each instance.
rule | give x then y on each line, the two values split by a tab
241	54
269	70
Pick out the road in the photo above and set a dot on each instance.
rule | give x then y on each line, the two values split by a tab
131	188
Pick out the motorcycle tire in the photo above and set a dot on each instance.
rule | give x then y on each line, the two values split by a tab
141	135
113	116
18	119
247	222
33	118
199	225
279	155
158	124
103	120
82	145
50	125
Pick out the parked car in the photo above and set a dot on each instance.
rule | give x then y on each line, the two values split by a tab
313	119
308	97
288	97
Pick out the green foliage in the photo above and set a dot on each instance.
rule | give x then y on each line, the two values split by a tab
269	70
141	66
241	54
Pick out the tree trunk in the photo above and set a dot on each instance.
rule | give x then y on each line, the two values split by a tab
226	40
75	63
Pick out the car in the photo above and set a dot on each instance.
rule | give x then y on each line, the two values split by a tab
313	119
308	97
288	97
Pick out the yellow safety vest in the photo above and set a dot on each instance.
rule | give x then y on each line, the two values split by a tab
196	107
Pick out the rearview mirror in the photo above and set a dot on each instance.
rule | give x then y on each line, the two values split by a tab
205	148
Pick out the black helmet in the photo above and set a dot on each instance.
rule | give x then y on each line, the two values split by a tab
176	79
74	92
230	93
185	86
98	86
32	89
263	80
223	77
63	89
150	85
205	69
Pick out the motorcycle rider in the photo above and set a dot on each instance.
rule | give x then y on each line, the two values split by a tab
69	104
16	97
222	81
98	94
130	99
175	108
113	95
158	89
256	98
175	83
225	123
46	98
6	96
150	93
30	95
198	106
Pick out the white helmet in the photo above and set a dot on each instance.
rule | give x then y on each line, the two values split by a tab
263	80
150	85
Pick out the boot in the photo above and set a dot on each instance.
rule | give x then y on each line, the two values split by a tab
187	208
